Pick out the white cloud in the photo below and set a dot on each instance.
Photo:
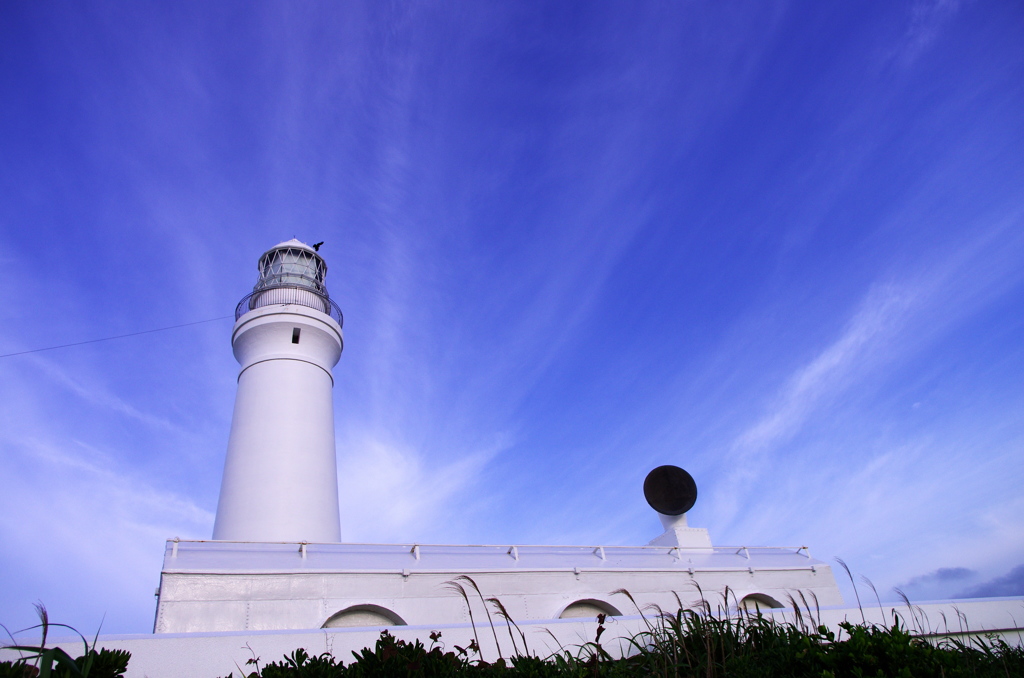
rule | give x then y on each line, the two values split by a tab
881	312
926	20
389	491
85	531
837	460
96	395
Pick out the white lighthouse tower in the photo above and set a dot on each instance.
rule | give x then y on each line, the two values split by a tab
280	476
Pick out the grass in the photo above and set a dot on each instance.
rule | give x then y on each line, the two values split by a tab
39	660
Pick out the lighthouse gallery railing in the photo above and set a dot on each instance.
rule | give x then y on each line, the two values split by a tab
289	294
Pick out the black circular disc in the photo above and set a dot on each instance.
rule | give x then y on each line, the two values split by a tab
670	490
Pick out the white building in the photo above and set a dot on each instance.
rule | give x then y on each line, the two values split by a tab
277	561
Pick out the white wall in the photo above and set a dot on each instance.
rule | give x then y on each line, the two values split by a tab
195	602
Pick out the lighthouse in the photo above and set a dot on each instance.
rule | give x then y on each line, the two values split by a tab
280	479
276	561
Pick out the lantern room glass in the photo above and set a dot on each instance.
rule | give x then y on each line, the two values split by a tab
291	266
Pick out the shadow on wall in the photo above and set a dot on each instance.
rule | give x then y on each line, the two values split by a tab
363	615
588	608
756	601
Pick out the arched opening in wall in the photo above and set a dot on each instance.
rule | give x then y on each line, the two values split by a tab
588	608
759	601
363	615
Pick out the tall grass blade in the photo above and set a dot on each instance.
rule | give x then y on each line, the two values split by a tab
456	587
487	611
856	593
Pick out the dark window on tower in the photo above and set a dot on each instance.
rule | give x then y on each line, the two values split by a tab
295	335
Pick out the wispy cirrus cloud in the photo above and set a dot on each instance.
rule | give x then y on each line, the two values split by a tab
897	316
926	20
567	244
69	517
390	492
97	396
878	317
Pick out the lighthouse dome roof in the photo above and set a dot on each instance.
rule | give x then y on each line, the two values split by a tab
292	243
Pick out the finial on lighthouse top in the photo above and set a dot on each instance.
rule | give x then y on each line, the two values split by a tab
292	263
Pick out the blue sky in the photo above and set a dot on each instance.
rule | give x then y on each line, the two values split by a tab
778	244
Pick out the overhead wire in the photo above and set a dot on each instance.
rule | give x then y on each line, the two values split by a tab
118	336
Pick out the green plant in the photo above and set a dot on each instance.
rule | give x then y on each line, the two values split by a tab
54	661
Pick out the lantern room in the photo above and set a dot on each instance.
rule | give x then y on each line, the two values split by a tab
292	263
